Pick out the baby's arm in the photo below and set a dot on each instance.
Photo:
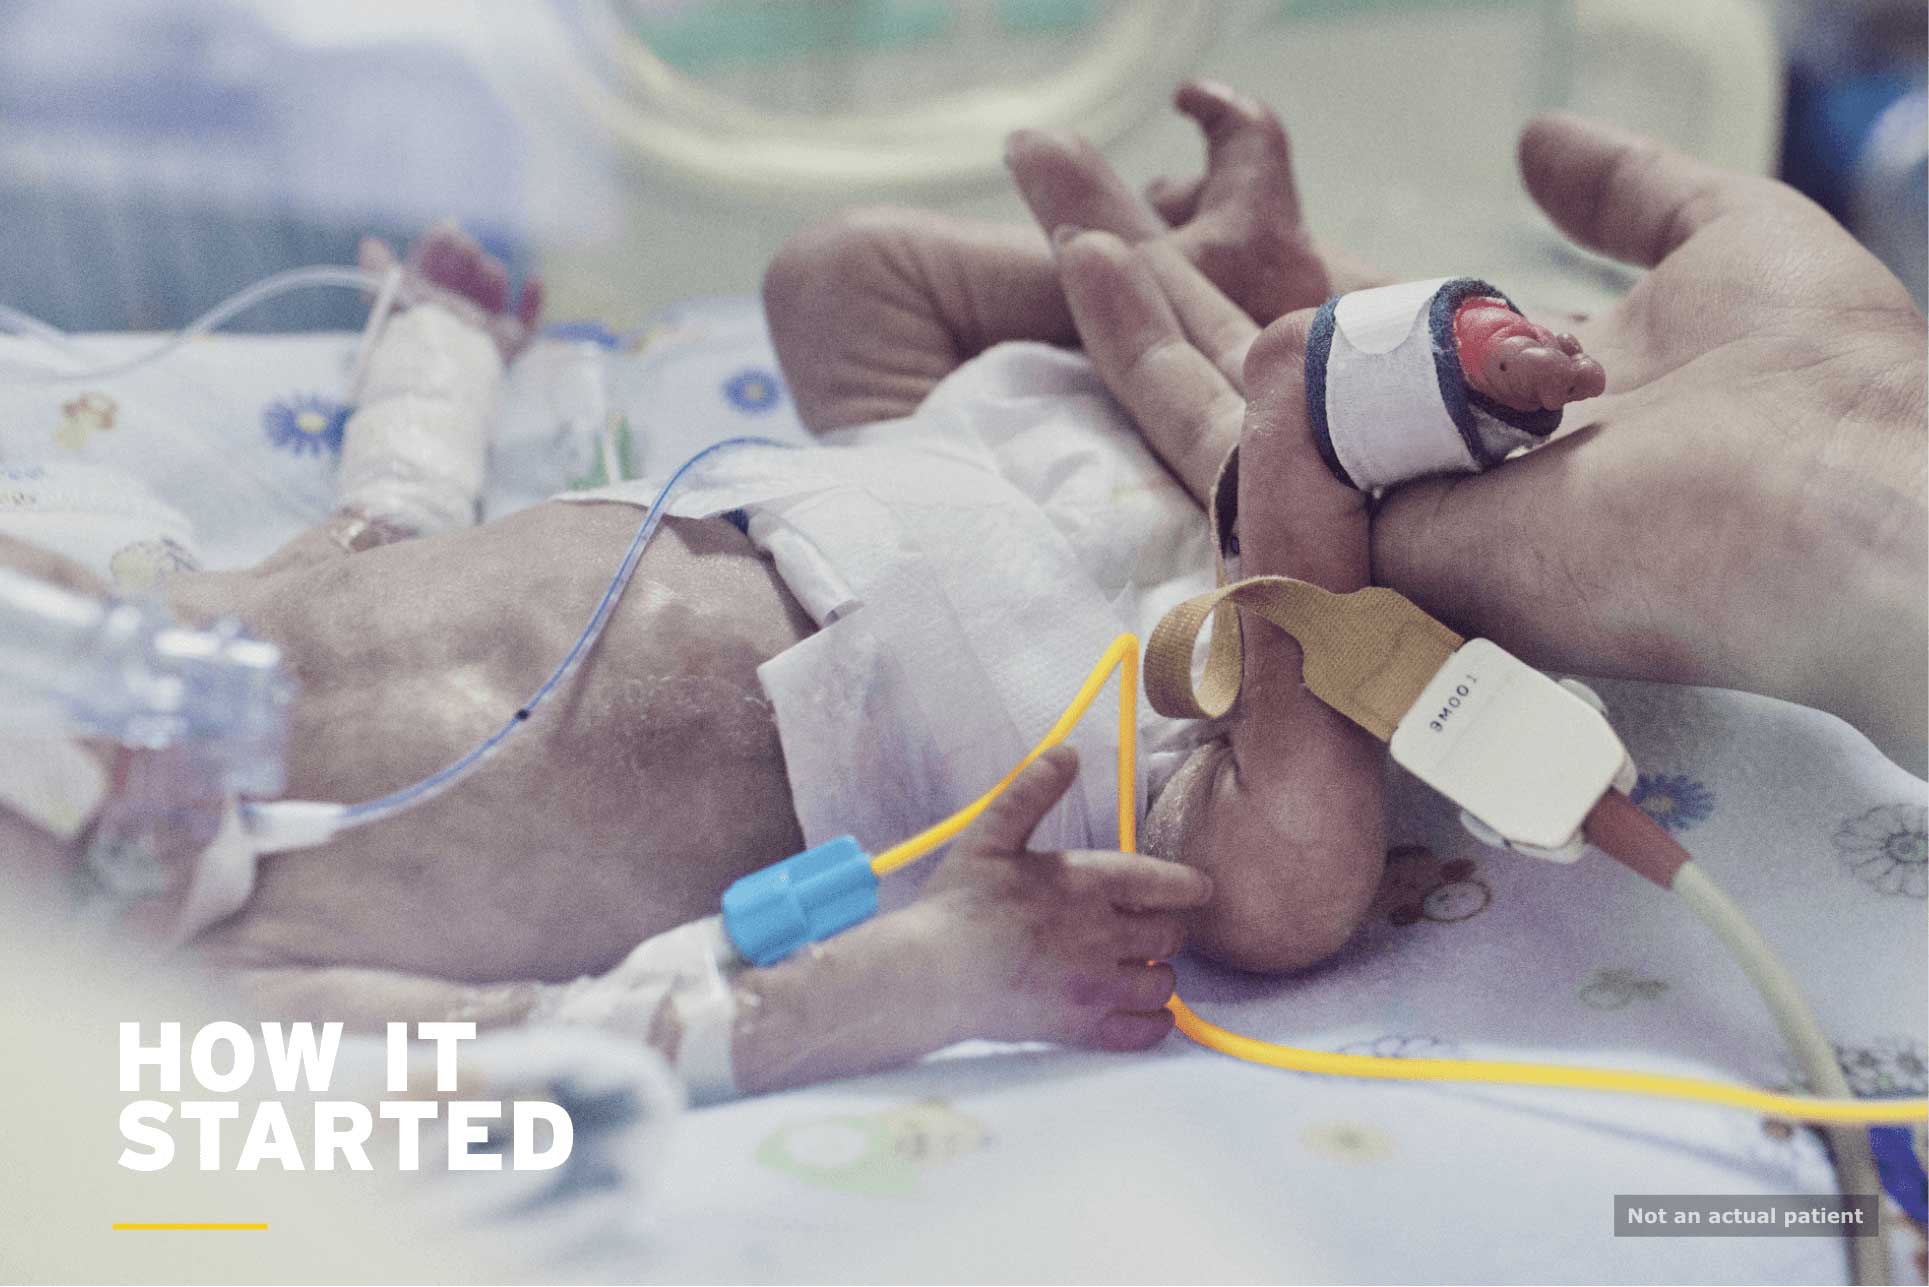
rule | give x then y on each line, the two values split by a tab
414	452
1003	943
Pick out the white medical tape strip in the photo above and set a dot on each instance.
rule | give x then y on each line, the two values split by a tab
53	783
707	1013
416	449
224	877
1386	395
691	968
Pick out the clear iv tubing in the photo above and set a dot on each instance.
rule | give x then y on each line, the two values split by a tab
354	815
265	289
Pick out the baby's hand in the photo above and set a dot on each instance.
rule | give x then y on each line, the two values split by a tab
447	266
1055	946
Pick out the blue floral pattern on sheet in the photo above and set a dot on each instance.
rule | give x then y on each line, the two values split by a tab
1615	988
1886	1066
305	424
1888	848
1401	1045
753	390
1674	800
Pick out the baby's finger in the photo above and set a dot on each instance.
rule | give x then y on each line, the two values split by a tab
375	256
1183	404
1008	821
1176	200
1140	883
530	305
1149	936
1143	987
1129	1030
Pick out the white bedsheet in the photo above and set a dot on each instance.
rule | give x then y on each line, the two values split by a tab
1183	1164
1186	1165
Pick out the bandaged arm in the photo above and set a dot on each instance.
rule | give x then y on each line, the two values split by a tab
415	452
837	1009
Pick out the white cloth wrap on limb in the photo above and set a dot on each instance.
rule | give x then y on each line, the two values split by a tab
690	970
105	519
416	450
1386	394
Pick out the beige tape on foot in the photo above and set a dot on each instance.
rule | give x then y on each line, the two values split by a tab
1368	654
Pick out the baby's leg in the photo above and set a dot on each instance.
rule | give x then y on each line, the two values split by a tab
1238	222
870	310
1284	813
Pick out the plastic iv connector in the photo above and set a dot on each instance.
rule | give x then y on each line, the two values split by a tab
126	672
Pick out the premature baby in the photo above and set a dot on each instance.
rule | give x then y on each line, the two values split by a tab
776	622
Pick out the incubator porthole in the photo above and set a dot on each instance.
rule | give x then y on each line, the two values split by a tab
855	98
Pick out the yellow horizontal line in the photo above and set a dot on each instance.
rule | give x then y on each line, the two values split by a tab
130	1225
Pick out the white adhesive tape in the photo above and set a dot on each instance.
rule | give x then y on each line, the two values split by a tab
224	877
1385	415
690	969
1386	394
416	450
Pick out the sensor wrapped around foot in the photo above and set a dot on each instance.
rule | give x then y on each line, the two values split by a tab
1386	394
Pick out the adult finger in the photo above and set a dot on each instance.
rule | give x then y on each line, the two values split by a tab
1219	328
1140	882
1065	180
1009	820
1620	193
1183	404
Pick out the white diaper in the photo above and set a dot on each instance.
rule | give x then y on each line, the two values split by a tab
967	565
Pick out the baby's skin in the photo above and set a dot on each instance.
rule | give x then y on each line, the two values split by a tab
1284	811
1519	363
629	804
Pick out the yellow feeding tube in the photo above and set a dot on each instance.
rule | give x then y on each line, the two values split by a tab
1123	656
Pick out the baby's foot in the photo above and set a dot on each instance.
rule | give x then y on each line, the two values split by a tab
1239	222
1520	364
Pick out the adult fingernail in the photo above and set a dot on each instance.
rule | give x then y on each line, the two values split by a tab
1013	141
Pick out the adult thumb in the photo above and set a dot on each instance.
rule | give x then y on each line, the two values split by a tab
1620	193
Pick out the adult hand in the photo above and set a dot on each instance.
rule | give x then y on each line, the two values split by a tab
1743	507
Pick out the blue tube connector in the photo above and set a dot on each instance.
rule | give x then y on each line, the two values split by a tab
806	898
